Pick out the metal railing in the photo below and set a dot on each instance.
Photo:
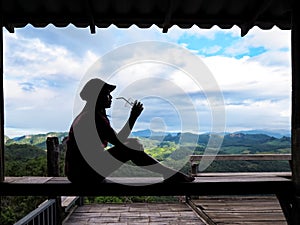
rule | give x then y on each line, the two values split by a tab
45	214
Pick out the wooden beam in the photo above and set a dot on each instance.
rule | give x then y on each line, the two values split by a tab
150	186
295	39
242	157
260	9
1	106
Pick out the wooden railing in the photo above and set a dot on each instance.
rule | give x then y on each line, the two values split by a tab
195	159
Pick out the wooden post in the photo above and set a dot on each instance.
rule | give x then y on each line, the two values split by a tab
52	156
295	39
1	107
194	169
53	171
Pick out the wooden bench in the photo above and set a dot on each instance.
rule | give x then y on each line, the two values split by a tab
204	184
138	186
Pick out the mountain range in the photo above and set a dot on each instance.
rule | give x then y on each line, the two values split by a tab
240	137
278	133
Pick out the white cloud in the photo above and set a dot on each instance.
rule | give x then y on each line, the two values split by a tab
211	50
250	76
261	114
271	40
29	58
41	78
174	33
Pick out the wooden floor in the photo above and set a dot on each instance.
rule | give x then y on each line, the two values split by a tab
219	210
134	214
254	210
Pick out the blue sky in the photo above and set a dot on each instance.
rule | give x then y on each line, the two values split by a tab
44	69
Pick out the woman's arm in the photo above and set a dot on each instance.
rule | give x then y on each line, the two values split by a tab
136	111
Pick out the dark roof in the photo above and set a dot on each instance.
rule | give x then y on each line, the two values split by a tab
144	13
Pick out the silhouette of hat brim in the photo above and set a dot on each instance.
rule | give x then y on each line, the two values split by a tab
94	87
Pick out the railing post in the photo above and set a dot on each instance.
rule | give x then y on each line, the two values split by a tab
194	168
53	171
52	156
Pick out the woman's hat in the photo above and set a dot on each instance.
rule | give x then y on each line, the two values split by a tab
94	87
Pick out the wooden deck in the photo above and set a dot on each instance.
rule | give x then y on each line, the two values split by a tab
134	214
254	210
213	210
205	184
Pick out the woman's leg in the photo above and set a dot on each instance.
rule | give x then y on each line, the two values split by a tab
135	153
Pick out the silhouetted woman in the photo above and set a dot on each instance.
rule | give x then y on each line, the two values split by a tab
87	160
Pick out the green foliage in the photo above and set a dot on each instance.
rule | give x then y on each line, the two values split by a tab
254	144
22	152
25	160
248	166
13	208
22	160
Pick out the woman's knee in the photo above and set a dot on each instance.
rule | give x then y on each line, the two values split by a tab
134	144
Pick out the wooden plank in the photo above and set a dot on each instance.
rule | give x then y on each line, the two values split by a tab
252	223
247	174
12	179
242	157
50	186
134	213
258	218
246	207
58	180
32	180
240	209
67	200
240	179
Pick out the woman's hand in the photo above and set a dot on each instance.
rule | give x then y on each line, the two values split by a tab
136	109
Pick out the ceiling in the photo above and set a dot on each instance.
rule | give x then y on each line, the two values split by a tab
145	13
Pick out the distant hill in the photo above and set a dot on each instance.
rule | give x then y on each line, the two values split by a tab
279	133
38	140
150	133
237	142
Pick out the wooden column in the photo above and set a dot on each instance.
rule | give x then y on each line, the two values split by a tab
1	106
53	171
52	156
296	100
295	39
